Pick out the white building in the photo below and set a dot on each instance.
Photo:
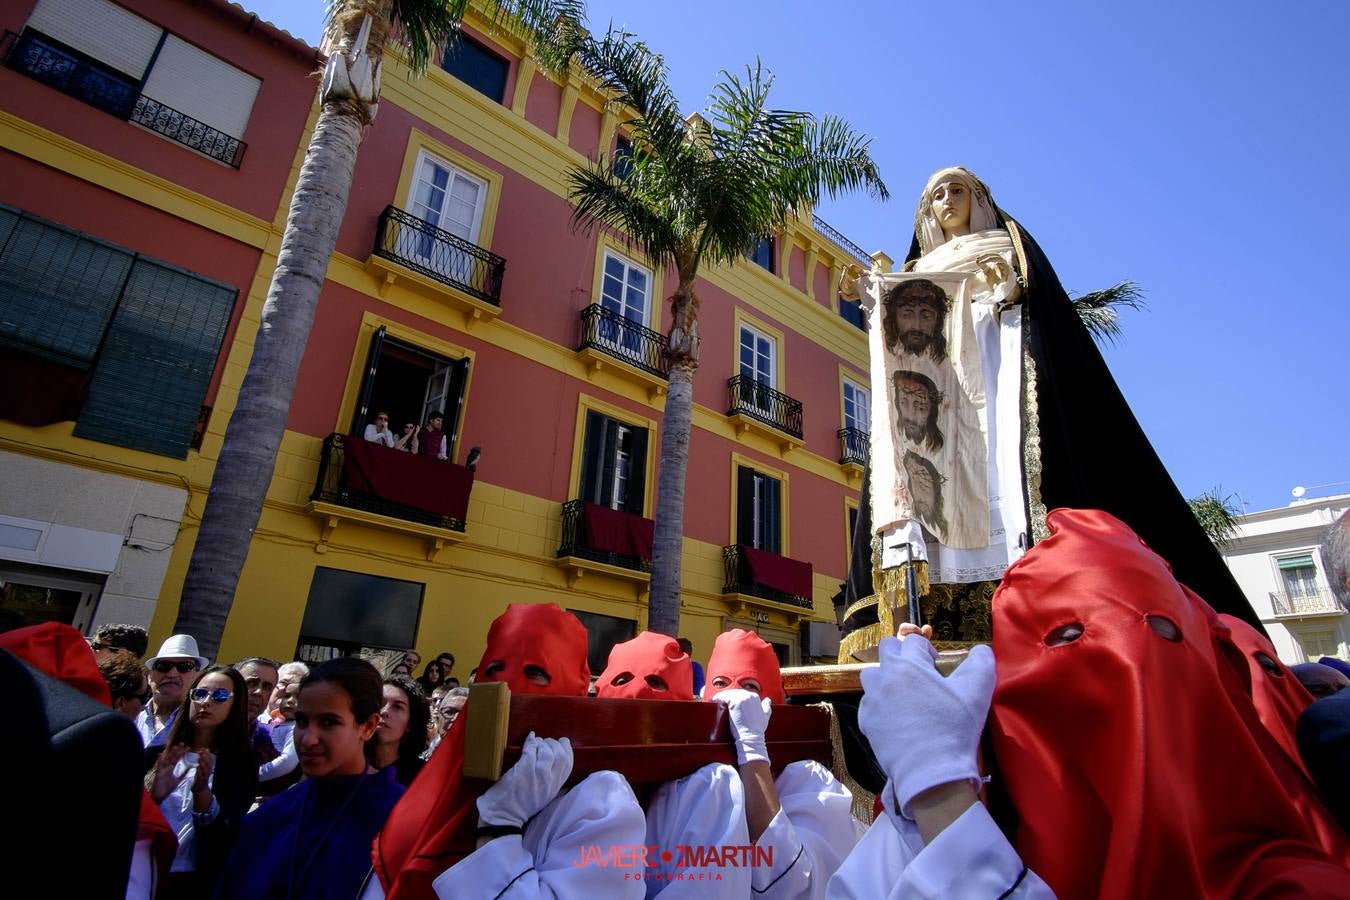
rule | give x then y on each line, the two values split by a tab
1278	564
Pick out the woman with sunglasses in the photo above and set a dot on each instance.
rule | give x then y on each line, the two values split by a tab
204	779
313	840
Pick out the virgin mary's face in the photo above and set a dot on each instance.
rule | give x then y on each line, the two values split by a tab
951	206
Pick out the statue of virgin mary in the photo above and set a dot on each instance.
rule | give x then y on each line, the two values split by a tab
990	406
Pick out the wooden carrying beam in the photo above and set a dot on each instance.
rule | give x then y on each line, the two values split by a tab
646	741
847	679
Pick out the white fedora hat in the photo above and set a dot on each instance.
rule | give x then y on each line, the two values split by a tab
178	646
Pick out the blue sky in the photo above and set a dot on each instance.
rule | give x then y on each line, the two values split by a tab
1198	149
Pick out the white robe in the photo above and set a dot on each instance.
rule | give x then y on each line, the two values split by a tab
600	811
705	809
811	835
970	859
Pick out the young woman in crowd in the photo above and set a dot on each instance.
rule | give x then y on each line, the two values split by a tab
402	734
431	677
313	840
204	779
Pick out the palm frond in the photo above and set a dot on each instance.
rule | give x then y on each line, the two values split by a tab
1217	515
1100	310
601	196
425	28
635	77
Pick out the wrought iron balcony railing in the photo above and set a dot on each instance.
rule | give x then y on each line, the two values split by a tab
86	79
757	400
71	72
852	249
612	334
439	255
330	487
575	542
189	132
1312	603
855	446
740	581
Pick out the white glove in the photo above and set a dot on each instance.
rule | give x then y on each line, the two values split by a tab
749	720
529	785
924	729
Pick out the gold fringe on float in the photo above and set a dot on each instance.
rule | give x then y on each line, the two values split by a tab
863	799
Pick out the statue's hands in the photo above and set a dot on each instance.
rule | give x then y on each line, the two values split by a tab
996	269
924	729
848	282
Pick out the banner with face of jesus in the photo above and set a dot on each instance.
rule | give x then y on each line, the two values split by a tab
931	463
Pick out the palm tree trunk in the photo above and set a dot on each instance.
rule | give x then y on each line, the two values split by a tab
663	606
247	458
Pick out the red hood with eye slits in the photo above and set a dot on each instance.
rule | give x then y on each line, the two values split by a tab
1133	761
537	634
647	654
738	654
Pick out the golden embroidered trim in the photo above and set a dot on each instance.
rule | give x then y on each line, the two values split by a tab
1031	418
863	799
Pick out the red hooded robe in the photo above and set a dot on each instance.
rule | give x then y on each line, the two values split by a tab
647	655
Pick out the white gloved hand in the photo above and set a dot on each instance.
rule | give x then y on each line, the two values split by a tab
749	720
529	785
924	729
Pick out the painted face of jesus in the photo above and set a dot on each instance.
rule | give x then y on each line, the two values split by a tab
951	207
913	405
917	324
922	488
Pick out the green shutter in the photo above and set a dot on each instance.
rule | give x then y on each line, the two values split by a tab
1296	562
156	362
58	288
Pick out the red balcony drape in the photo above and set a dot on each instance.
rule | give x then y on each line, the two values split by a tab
427	484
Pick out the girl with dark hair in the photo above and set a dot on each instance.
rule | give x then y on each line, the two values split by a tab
204	778
313	840
431	676
402	734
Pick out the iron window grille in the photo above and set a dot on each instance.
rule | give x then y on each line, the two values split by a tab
330	487
622	338
439	255
739	581
753	398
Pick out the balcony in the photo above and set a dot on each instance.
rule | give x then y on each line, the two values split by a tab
761	575
406	245
90	81
372	485
754	406
1313	603
608	541
859	254
607	337
184	129
855	448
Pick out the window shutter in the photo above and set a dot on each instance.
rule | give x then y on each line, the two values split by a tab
58	289
608	458
745	506
459	384
156	361
591	445
202	86
637	474
773	515
103	30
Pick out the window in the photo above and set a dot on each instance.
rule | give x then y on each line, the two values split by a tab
1317	644
602	633
143	335
120	63
625	288
857	407
614	464
1299	575
350	612
852	531
410	383
763	253
447	197
757	356
476	66
759	510
851	312
623	157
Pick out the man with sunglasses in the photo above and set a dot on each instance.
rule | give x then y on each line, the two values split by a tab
112	640
170	671
127	684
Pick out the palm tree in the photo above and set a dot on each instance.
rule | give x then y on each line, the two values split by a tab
697	191
1100	310
1217	515
358	31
